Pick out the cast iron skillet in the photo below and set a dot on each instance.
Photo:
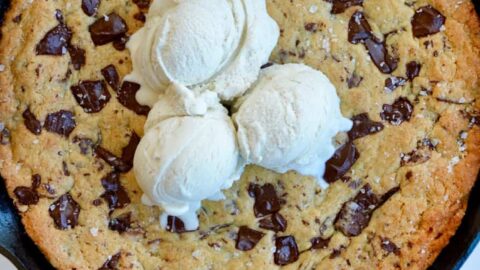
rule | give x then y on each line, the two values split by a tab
18	247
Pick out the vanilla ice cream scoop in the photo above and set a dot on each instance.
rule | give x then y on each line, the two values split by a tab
288	119
216	45
183	158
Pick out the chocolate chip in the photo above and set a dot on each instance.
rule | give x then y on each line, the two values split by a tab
59	16
61	122
120	43
393	83
31	122
92	96
286	251
267	65
128	152
413	70
341	162
247	238
55	42
319	243
354	81
363	126
427	21
125	162
107	29
416	156
36	181
4	136
126	97
78	56
90	7
17	18
115	195
122	223
397	113
266	199
26	195
65	212
111	263
380	56
84	143
389	246
356	213
97	202
175	225
274	222
311	27
339	6
359	29
336	252
140	16
142	4
111	76
385	197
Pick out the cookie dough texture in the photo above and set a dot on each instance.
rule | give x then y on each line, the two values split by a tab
431	160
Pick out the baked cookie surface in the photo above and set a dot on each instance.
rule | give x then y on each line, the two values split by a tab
406	72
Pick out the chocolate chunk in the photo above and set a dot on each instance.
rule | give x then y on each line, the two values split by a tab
140	16
311	27
26	195
363	126
274	222
126	97
90	7
111	263
55	42
122	223
356	213
4	136
120	43
61	122
380	56
397	113
107	29
266	199
78	57
339	6
66	172
286	250
247	238
341	162
359	29
111	76
125	162
413	70
59	16
92	96
393	83
65	212
427	21
17	18
416	156
267	65
36	181
31	122
84	143
354	81
115	195
319	243
389	246
385	197
142	4
336	252
175	225
128	152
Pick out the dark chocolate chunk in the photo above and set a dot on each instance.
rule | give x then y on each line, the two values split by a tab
61	122
354	81
59	16
92	96
107	29
55	42
31	122
267	65
274	222
111	76
4	136
359	29
389	246
142	4
36	181
140	16
363	126
286	251
266	199
111	263
385	197
78	57
380	56
128	152
121	223
319	243
341	162
397	113
339	6
247	238
115	195
65	212
311	27
393	83
17	18
336	252
175	225
126	97
120	43
84	143
90	7
26	195
413	70
416	156
125	162
427	21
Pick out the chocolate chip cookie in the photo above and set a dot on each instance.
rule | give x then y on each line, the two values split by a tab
407	73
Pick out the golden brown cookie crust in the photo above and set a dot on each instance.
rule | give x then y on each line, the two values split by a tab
419	219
